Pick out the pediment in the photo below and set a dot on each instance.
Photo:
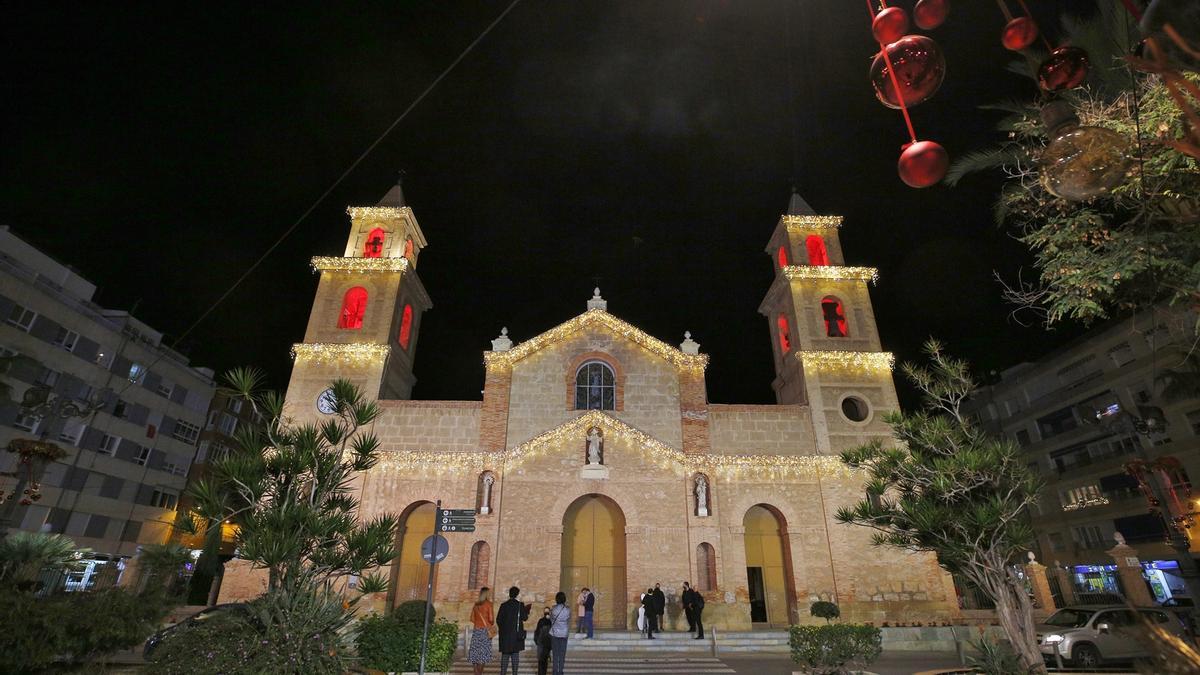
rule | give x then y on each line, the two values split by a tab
575	431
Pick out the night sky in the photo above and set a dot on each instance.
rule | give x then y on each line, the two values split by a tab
644	146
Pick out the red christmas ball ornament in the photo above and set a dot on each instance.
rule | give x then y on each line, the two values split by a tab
1019	33
889	25
920	69
922	164
930	14
1065	68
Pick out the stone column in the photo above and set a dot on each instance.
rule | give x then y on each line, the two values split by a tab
1066	585
1130	570
1036	573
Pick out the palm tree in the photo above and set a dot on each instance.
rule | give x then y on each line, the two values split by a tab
25	555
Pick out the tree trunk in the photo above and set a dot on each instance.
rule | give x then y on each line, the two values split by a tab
1015	613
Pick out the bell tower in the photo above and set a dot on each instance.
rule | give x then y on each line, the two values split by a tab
823	333
367	312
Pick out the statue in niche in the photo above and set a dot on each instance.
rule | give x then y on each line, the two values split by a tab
595	446
701	496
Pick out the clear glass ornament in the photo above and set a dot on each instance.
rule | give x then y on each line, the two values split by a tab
1081	162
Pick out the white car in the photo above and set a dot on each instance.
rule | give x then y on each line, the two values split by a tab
1086	637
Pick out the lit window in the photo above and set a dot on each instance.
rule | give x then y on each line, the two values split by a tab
406	319
785	341
354	305
21	317
136	370
374	246
595	387
783	257
408	249
835	317
817	255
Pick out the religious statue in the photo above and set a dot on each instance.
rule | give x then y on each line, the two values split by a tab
594	448
701	496
485	505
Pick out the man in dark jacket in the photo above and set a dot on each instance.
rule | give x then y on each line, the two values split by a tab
660	606
651	607
509	619
589	605
541	638
698	613
685	599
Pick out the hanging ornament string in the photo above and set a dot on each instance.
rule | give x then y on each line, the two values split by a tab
1029	15
912	133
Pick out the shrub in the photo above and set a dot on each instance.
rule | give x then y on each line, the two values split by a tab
413	611
25	555
994	657
392	645
826	650
825	610
290	630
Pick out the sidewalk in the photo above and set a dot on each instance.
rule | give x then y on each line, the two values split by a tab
894	663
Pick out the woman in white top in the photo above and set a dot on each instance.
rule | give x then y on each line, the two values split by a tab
641	620
560	626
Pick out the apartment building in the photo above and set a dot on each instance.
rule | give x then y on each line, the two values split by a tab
127	460
1081	414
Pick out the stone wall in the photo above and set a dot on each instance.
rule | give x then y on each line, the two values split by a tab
761	429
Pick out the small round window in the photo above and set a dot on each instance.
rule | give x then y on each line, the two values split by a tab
855	409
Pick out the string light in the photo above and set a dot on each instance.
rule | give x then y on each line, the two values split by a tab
361	265
805	223
357	353
596	317
572	434
831	272
378	212
847	362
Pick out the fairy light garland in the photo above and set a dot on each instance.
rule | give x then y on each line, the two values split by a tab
812	222
378	212
357	353
572	434
831	272
847	362
360	265
594	317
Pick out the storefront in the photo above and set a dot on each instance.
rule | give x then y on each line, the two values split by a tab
1162	577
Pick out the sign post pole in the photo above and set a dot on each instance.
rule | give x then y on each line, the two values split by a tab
437	516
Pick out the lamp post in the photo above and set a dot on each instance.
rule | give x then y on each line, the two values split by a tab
42	402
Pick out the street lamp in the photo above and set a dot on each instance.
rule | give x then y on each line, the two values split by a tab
34	455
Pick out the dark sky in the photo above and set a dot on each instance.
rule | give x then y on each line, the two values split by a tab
160	148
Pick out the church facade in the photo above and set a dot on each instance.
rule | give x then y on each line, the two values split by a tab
594	458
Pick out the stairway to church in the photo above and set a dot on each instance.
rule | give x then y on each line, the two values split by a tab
671	643
599	663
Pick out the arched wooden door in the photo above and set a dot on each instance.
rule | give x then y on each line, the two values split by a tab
593	556
768	567
410	572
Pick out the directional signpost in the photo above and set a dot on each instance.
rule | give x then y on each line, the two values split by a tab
434	550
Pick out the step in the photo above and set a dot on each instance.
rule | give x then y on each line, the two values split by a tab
598	664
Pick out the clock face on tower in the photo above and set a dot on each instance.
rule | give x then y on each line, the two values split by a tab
326	402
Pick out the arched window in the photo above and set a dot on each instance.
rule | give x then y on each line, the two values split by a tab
817	255
783	257
785	342
595	387
408	249
483	492
706	567
835	317
405	326
374	246
481	558
354	305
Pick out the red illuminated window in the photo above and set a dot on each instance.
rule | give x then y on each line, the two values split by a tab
354	305
785	343
405	326
374	246
817	255
835	317
408	249
783	261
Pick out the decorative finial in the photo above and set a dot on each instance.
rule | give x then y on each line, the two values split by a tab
1119	538
502	343
597	302
689	346
1032	557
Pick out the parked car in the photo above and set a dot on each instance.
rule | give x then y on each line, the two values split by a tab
155	640
1087	637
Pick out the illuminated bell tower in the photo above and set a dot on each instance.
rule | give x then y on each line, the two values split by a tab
367	311
823	332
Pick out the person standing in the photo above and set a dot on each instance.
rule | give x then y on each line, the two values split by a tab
660	606
483	628
541	638
589	604
560	625
651	607
583	592
685	599
510	624
698	613
641	619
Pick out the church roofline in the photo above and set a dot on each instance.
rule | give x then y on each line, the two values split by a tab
596	316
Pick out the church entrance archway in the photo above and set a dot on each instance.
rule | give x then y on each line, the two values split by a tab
593	556
768	566
410	572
